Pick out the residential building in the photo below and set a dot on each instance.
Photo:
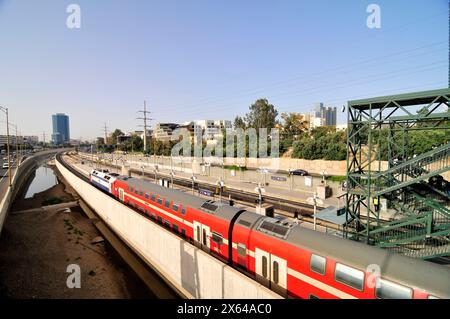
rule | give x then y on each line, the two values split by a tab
163	131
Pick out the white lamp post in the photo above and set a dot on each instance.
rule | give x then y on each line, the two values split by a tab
193	178
315	200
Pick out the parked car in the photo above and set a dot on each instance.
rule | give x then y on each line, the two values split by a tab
300	172
5	165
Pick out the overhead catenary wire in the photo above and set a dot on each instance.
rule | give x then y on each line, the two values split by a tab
310	77
330	87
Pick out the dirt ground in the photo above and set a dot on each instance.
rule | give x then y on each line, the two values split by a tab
37	247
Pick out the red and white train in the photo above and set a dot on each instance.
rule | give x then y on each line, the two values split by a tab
293	261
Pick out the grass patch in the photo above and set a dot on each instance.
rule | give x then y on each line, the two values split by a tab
235	167
336	178
51	201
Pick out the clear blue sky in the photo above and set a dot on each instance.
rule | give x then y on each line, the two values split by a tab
198	59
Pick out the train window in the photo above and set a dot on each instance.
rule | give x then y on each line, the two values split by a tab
183	211
175	228
146	212
349	276
275	272
183	232
160	219
160	201
313	297
175	207
136	191
386	289
217	238
153	216
167	203
153	197
264	266
204	237
141	193
147	196
167	223
318	264
131	189
198	233
242	250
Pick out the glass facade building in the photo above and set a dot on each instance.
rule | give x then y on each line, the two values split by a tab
61	132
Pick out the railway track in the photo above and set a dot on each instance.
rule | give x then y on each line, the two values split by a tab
287	208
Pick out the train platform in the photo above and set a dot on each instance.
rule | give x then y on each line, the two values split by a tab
301	196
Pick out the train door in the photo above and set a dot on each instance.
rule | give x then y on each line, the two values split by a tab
202	236
121	197
271	271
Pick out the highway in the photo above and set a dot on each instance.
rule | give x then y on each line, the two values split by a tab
4	180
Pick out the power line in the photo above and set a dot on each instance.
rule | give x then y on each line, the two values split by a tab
307	77
369	79
358	40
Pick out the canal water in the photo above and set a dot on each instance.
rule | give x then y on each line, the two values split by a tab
44	179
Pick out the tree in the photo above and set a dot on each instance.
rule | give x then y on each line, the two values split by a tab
100	142
261	115
293	125
239	123
112	140
134	144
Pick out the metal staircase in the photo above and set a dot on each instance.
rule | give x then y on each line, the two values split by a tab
423	229
416	220
413	171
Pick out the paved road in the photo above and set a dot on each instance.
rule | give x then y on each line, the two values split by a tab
4	179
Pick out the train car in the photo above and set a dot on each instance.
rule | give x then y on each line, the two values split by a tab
302	263
293	261
204	223
103	179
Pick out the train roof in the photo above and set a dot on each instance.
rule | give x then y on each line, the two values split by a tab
216	208
395	267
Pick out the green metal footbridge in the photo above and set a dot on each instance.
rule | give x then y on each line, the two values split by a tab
393	199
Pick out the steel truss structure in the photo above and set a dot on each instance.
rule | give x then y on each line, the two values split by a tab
398	199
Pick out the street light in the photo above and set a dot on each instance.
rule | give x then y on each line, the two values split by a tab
5	110
193	178
156	172
220	184
260	190
323	173
16	142
315	200
171	178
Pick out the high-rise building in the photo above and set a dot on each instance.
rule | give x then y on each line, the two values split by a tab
323	116
61	132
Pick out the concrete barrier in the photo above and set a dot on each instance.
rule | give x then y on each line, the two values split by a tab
190	270
20	176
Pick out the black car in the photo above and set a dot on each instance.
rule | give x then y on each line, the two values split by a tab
300	172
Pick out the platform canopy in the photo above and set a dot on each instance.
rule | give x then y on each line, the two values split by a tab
332	215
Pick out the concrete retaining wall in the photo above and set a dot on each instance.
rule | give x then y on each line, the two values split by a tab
20	176
189	269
